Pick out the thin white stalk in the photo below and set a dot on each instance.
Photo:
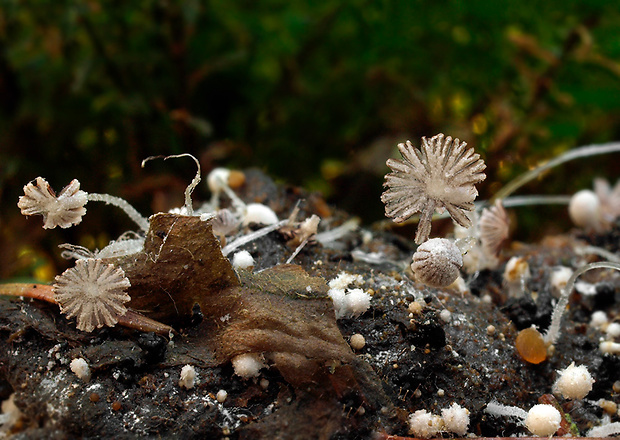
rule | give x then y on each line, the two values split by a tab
251	237
132	212
577	153
193	184
553	332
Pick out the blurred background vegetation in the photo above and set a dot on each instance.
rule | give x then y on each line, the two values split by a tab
317	94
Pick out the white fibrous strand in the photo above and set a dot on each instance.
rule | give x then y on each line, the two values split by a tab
93	292
494	226
64	210
441	174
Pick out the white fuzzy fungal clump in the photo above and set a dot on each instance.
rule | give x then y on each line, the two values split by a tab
574	382
440	175
424	424
242	260
93	292
437	262
64	210
188	377
455	419
248	365
348	302
80	368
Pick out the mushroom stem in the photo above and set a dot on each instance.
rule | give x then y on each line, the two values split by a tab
44	292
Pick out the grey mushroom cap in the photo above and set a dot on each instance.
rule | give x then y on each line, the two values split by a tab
437	262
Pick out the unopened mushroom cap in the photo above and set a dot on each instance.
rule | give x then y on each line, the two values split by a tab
437	262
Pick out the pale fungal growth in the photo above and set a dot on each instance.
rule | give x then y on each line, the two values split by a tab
584	210
188	376
455	419
348	302
613	330
494	226
356	302
127	244
599	320
574	382
441	174
605	430
344	279
224	223
248	365
437	262
93	292
609	199
609	347
553	332
260	214
559	277
516	275
64	210
221	396
357	341
423	424
304	234
242	260
542	420
80	368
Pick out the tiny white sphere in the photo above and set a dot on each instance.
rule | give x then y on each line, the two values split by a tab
574	382
445	315
599	319
218	179
613	330
221	396
437	262
80	367
357	341
242	260
584	209
543	420
259	213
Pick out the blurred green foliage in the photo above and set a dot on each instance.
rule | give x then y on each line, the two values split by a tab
316	93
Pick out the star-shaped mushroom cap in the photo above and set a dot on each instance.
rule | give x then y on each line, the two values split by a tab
93	292
441	174
65	210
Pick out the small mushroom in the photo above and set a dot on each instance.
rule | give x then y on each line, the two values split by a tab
437	262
